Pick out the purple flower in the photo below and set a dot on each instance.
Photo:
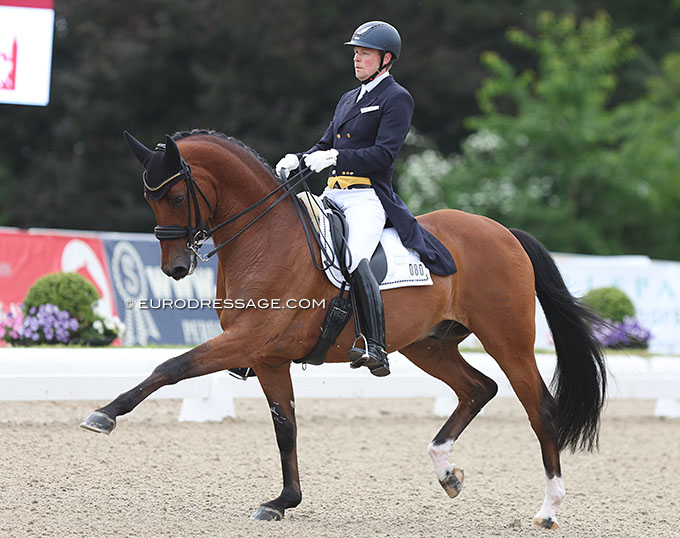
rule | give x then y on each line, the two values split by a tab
628	333
43	324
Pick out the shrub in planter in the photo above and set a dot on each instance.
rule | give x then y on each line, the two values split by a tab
59	308
620	328
610	303
67	291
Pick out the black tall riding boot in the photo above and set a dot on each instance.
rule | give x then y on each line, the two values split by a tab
371	321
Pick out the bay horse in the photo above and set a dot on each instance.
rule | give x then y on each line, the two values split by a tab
500	272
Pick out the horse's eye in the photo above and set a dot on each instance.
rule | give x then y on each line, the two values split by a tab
176	199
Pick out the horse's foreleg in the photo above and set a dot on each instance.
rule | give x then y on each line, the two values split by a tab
441	359
193	363
278	389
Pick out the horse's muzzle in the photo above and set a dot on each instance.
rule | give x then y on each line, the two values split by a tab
181	266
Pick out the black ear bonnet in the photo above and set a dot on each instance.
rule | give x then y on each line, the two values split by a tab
163	167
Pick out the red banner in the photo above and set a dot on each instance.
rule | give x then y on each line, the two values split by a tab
26	256
40	4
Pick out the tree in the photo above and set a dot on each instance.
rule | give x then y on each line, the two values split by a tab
268	73
650	160
549	154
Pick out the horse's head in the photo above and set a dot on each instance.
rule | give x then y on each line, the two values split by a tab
177	200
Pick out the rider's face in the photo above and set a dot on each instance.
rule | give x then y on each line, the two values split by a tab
366	62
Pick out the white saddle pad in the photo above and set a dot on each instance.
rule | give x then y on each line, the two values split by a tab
404	267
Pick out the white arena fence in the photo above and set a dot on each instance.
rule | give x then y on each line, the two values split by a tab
100	374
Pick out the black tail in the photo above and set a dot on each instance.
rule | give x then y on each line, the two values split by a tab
580	380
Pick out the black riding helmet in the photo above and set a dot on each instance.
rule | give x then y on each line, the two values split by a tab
380	36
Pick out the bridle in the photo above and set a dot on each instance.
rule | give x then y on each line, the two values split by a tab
173	231
199	234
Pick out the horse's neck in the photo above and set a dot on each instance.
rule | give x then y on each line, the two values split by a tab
271	244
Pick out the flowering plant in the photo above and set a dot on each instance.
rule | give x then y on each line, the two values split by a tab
622	334
101	332
11	322
46	324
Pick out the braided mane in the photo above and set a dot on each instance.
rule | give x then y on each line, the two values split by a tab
180	135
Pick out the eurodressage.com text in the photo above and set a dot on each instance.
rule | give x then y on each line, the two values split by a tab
225	304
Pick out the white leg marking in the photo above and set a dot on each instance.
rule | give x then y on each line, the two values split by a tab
554	494
440	458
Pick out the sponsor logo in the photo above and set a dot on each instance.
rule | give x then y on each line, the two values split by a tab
8	64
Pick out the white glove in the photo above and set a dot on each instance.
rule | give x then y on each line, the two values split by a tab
289	162
319	160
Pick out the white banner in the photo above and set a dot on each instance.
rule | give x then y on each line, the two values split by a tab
652	285
26	31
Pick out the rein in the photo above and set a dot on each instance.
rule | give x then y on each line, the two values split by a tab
201	233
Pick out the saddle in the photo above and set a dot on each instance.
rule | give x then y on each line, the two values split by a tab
341	307
339	231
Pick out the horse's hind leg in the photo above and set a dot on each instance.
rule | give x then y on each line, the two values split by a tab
522	372
441	359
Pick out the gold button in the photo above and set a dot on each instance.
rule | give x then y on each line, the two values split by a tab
349	135
339	135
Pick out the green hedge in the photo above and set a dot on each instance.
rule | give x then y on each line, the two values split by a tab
67	291
610	303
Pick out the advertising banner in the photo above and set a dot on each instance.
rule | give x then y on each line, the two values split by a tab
157	309
125	268
26	256
652	285
26	32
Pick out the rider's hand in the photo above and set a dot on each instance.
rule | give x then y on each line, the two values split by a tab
289	162
319	160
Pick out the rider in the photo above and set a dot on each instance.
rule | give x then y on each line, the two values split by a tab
360	145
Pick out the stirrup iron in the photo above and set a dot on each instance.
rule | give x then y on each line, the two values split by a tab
359	362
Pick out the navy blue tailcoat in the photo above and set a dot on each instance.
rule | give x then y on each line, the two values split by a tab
368	135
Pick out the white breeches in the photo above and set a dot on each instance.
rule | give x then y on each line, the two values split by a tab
365	218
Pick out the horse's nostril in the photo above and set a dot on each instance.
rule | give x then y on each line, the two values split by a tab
179	271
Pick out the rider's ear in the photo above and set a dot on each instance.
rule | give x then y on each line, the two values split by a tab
171	157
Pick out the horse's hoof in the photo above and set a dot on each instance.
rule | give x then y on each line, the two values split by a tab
99	422
267	513
547	523
453	482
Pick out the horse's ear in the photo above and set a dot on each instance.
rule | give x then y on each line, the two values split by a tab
171	157
137	148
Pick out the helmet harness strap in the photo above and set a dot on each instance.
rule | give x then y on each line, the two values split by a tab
382	59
